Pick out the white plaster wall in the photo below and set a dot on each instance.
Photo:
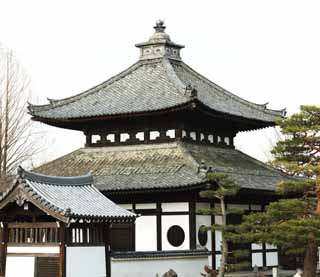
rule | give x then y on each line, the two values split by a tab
272	258
170	220
86	262
142	206
175	207
20	267
146	233
257	259
203	220
34	249
24	266
218	261
187	267
126	206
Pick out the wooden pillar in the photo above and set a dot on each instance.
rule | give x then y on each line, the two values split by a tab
3	248
106	233
159	227
62	255
88	139
192	225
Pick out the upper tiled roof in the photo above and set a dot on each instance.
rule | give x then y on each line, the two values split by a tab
158	81
163	166
66	198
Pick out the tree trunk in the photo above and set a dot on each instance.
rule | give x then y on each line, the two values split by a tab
310	260
224	250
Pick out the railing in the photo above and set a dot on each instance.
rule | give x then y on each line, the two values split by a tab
33	233
48	233
85	235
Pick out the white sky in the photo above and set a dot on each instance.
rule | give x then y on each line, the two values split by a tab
263	51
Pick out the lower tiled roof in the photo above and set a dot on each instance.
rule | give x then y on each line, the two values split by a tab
65	198
162	166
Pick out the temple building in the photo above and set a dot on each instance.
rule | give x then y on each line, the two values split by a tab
152	133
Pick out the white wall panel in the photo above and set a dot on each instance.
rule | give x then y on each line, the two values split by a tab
175	207
218	261
20	267
189	267
218	220
256	246
146	233
34	249
142	206
126	206
218	240
170	220
257	259
272	258
85	261
203	220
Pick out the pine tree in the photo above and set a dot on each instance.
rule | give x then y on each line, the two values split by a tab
222	186
293	223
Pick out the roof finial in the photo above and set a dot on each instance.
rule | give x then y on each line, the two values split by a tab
160	27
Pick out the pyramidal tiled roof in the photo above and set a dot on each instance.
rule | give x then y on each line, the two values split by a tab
65	198
163	167
159	81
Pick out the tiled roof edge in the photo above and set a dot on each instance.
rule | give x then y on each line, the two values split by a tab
55	180
260	107
56	103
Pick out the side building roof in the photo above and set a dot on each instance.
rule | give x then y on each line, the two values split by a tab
65	198
164	167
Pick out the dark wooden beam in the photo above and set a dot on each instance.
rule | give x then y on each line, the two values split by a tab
3	248
159	232
62	254
106	235
192	225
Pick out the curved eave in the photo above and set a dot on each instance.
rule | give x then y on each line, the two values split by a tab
152	190
260	107
59	122
251	123
192	104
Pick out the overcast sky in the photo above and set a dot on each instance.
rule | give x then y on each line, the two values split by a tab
263	51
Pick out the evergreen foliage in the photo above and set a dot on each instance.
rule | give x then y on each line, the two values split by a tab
293	223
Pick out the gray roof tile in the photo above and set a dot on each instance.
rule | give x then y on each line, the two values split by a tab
156	82
162	166
71	197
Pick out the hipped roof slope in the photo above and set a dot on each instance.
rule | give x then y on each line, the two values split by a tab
165	167
159	81
65	198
